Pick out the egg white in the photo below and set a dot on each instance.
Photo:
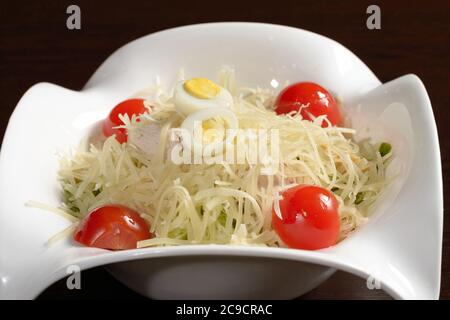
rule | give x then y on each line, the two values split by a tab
186	104
194	121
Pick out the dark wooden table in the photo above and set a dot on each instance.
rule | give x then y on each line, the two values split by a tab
36	46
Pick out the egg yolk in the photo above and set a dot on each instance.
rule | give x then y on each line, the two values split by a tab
201	88
213	130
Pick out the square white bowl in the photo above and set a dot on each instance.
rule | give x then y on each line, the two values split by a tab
399	248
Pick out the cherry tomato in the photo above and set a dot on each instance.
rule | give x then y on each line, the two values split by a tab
320	101
129	107
310	218
112	227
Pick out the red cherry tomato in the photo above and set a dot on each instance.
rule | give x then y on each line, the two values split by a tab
310	218
112	227
320	101
129	107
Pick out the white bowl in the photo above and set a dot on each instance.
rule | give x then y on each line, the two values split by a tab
399	248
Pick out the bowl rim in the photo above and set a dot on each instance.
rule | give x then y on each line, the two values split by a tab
221	24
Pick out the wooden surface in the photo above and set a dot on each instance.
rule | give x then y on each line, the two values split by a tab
36	46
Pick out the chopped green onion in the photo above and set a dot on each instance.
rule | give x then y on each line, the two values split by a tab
222	218
74	208
178	233
359	198
69	200
384	148
334	189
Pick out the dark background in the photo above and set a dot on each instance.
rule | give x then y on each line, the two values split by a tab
36	46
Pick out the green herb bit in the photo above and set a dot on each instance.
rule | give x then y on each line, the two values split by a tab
222	218
384	148
178	233
359	198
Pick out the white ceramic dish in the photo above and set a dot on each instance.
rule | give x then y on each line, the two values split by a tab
400	247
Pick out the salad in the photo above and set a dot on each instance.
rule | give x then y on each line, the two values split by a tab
216	163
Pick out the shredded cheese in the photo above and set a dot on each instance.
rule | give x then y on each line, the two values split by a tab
222	203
